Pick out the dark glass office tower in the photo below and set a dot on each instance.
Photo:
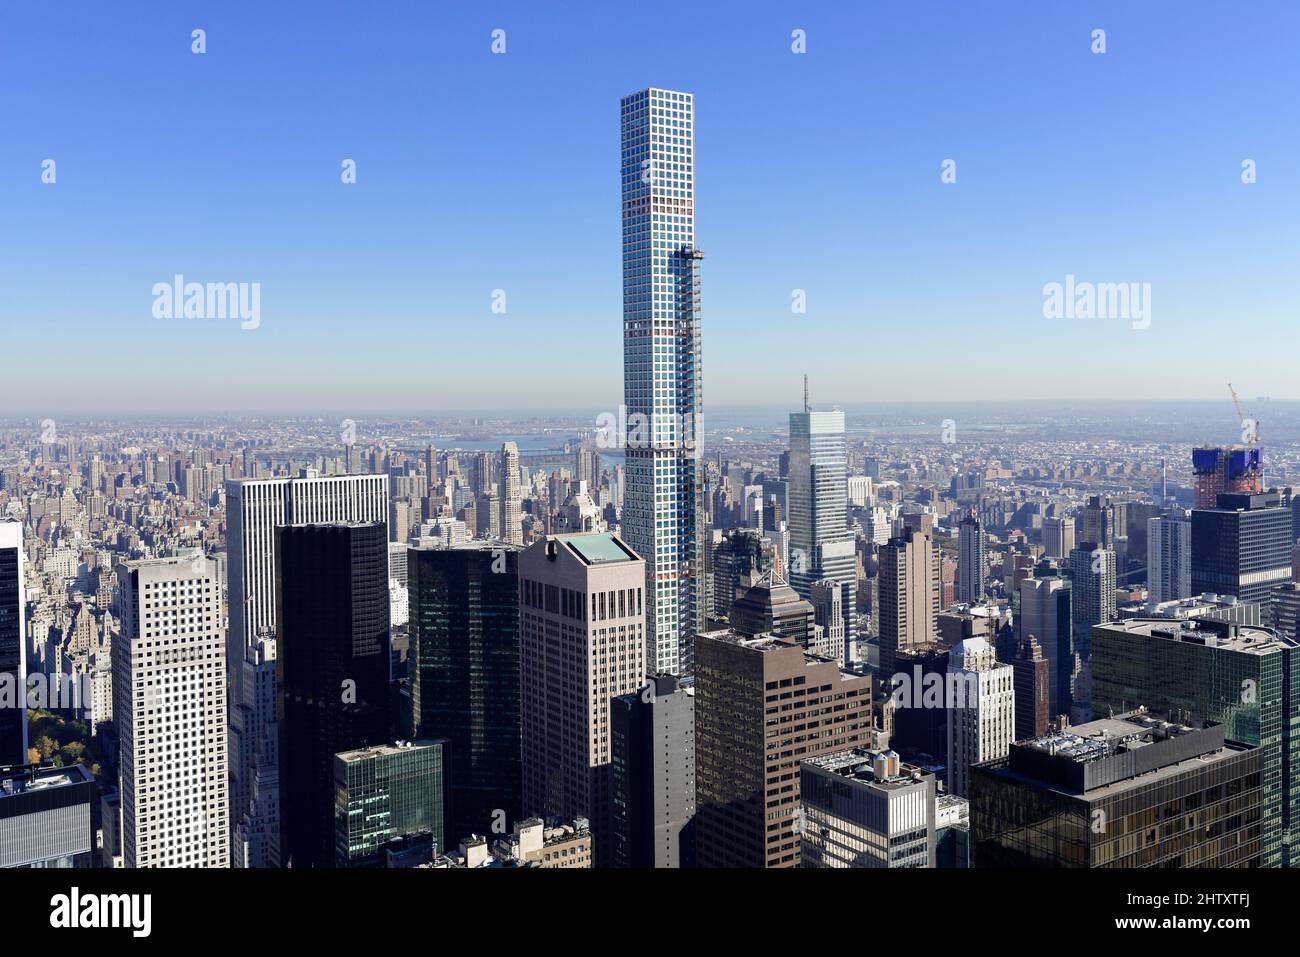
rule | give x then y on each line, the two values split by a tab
1130	791
1246	678
331	587
1242	547
742	555
464	672
13	720
920	733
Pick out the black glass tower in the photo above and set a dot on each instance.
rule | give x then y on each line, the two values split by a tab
1241	547
332	615
464	674
13	719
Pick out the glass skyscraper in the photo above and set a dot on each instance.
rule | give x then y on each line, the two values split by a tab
13	643
332	659
388	792
1242	677
663	504
821	543
464	676
1241	547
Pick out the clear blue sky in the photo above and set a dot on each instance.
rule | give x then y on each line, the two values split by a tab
478	171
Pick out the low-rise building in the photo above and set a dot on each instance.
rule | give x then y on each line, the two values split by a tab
866	809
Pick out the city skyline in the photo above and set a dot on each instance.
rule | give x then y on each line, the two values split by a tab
978	560
845	141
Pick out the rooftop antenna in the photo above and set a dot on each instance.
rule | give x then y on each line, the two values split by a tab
805	393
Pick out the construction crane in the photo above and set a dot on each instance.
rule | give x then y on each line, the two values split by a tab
1249	426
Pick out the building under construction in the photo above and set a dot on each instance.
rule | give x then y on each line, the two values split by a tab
1233	469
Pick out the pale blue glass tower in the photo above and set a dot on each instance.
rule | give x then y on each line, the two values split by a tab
822	545
663	503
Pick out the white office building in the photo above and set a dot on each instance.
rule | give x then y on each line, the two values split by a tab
981	710
169	705
512	529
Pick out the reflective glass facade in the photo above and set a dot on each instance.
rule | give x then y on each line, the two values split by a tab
1242	548
332	651
1246	684
821	544
464	672
1208	816
386	793
13	720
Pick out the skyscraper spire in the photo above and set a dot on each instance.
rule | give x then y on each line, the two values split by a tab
805	393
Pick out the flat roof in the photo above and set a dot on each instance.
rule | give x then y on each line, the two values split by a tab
769	642
1103	737
859	764
21	780
599	548
401	747
1249	639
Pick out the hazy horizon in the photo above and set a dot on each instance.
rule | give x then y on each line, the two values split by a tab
819	187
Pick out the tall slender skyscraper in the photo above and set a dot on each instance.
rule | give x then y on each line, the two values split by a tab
652	776
971	585
664	502
255	829
512	531
821	543
1093	572
169	706
13	644
1032	679
431	467
1169	558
